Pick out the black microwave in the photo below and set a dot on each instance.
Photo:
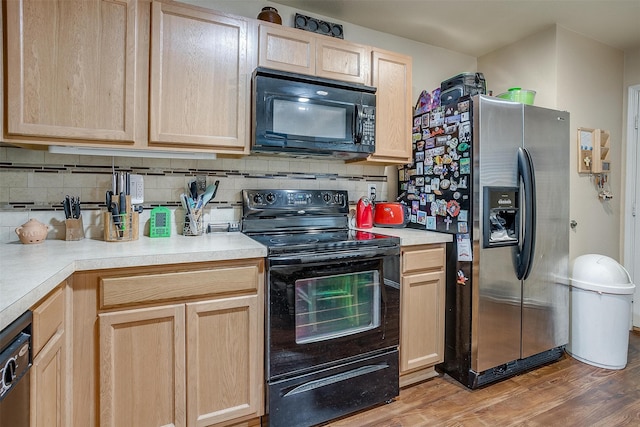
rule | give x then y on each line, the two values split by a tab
306	116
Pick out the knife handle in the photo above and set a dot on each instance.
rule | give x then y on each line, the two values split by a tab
66	205
115	215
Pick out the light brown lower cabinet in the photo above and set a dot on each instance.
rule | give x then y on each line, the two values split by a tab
48	384
142	367
166	365
422	307
177	345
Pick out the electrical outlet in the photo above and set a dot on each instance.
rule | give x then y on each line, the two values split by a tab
137	189
371	191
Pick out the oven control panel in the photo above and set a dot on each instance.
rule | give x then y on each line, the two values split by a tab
283	199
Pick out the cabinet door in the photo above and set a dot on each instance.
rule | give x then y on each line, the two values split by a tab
48	384
142	366
200	79
224	360
286	49
50	373
71	69
391	75
422	320
340	60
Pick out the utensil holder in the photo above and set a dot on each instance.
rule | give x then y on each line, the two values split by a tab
74	229
122	227
193	224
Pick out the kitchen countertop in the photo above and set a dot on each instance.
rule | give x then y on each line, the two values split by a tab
412	236
30	272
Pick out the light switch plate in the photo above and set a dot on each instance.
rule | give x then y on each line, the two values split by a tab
137	189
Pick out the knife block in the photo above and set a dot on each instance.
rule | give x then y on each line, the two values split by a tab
123	227
74	229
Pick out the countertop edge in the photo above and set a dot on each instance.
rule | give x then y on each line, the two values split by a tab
23	285
30	272
411	236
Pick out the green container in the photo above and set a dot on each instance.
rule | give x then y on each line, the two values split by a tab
519	95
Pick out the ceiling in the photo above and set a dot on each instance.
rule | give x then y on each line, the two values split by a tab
477	27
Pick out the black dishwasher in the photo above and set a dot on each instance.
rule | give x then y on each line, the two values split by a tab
15	361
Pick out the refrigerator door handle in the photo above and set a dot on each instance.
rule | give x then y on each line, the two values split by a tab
526	250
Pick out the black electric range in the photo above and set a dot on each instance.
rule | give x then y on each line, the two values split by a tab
308	221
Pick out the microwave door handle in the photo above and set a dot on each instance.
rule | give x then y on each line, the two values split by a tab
357	125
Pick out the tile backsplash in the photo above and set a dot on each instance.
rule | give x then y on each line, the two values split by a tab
33	184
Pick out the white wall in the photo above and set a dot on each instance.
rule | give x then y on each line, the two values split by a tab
529	64
573	73
590	76
631	78
431	64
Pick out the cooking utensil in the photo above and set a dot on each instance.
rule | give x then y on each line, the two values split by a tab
210	193
75	207
193	189
66	205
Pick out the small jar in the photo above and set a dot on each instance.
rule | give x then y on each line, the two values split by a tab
270	14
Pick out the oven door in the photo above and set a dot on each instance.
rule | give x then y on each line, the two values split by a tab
329	308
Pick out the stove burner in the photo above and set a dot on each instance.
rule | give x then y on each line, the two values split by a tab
293	239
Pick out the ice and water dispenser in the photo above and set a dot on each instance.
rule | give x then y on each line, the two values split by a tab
501	216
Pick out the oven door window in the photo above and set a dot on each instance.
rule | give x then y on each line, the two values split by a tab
329	307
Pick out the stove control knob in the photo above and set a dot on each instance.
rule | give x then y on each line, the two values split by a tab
258	199
337	198
271	198
326	197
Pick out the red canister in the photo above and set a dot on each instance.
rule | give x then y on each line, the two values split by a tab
364	213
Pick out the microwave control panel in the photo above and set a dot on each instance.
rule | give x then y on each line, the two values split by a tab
368	123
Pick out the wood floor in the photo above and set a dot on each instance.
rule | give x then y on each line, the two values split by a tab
564	393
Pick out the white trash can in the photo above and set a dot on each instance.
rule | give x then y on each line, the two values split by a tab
601	296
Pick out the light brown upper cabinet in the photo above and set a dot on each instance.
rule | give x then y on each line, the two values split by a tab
391	74
129	73
298	51
200	79
70	69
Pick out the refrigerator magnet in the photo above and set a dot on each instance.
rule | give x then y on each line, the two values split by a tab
463	243
453	208
465	166
431	223
461	279
448	222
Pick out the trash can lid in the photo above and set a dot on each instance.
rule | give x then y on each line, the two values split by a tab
601	274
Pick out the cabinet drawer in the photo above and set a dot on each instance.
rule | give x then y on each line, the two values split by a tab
48	318
427	258
150	288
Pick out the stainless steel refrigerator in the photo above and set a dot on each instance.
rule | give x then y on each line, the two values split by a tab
495	173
